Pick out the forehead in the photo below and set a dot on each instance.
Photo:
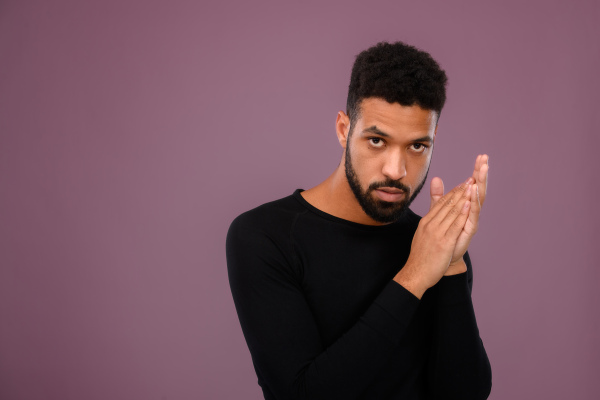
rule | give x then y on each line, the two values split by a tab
396	118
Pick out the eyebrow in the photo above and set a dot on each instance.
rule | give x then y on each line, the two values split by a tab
373	129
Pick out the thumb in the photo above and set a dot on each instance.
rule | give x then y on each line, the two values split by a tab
437	190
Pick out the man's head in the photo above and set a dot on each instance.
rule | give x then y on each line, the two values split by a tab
395	98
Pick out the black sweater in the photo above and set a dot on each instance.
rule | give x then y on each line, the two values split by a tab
323	318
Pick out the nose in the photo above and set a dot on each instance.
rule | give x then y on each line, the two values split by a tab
394	167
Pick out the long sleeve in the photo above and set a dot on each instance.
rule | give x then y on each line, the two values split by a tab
458	365
281	332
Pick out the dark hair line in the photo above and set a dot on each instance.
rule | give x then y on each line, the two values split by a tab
397	73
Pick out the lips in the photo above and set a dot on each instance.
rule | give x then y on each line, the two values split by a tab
389	194
390	190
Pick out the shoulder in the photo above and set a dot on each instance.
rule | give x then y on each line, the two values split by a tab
274	217
261	237
259	248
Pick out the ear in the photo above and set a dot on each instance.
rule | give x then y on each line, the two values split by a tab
342	127
435	133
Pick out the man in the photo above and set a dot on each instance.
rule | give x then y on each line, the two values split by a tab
341	290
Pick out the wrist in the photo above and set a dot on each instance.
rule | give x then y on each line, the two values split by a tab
411	281
456	267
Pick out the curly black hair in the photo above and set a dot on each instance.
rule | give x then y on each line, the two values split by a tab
397	73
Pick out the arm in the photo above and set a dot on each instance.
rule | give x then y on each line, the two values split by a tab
288	355
458	364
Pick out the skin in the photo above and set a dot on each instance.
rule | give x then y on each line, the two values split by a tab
399	150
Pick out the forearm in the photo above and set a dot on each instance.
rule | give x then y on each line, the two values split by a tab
458	366
346	368
411	280
293	363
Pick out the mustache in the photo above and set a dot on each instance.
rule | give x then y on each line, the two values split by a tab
393	184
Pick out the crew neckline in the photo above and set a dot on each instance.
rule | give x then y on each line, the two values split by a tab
330	217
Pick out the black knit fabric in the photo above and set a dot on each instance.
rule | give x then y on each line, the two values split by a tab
323	318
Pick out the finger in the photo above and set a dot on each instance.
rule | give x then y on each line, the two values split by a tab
476	169
475	205
455	211
437	191
477	164
482	179
457	225
449	200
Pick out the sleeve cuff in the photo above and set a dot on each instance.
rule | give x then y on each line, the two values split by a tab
396	299
392	311
453	289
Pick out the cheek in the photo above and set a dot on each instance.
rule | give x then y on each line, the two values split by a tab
420	168
366	166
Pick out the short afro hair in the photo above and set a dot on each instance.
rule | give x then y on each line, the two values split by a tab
397	73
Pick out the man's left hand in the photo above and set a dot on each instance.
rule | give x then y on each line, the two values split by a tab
478	195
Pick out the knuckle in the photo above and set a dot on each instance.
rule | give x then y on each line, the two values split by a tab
445	242
428	230
457	224
455	228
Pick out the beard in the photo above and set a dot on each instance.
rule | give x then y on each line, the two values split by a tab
379	210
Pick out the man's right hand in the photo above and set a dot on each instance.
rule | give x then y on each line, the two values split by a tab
435	239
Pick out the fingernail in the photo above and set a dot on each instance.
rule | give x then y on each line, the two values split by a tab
469	181
468	191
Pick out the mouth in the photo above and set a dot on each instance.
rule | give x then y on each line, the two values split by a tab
389	194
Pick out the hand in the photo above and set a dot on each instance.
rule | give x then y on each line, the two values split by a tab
478	195
435	240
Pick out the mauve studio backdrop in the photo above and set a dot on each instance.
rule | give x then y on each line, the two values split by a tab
133	132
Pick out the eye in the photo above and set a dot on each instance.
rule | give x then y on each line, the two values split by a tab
376	142
419	147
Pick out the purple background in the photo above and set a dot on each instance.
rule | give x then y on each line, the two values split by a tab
133	132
